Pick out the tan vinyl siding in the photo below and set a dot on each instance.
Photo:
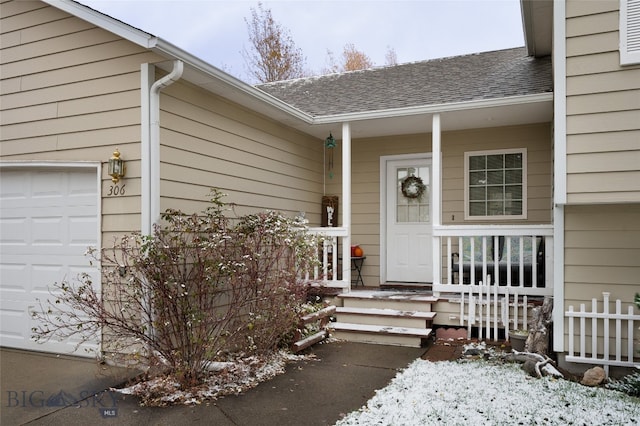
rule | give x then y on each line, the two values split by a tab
365	178
71	92
537	141
208	142
603	108
602	248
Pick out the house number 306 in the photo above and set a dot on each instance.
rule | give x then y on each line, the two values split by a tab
115	190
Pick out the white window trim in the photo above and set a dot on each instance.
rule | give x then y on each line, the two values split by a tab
629	23
468	154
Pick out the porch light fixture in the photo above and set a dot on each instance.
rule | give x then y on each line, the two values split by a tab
330	143
116	167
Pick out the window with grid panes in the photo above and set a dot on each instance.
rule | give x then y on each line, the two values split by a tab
495	184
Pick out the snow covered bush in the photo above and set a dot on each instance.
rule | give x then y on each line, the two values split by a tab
274	254
629	384
200	288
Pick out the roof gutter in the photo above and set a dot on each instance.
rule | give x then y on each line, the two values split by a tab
168	49
434	109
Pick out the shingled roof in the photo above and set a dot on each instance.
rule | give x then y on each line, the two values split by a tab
479	76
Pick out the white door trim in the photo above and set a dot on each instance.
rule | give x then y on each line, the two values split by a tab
383	204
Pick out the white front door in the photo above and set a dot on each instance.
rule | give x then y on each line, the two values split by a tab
408	220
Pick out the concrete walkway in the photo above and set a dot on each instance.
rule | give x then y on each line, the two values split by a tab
36	388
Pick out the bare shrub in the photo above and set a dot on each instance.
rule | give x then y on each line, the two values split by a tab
191	293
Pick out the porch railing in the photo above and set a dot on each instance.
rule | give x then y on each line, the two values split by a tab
605	327
515	259
328	274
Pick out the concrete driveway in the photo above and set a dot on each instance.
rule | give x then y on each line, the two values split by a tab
36	385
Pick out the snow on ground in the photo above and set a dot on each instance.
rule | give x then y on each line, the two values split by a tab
231	378
482	393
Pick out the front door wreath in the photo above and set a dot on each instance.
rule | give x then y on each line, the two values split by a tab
413	187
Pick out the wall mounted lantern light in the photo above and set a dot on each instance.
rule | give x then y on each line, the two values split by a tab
116	167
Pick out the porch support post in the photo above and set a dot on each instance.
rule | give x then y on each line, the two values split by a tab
436	191
346	202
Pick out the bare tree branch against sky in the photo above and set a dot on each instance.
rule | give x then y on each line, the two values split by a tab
215	30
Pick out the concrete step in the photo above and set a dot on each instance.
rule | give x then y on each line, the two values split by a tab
389	317
379	334
402	301
396	286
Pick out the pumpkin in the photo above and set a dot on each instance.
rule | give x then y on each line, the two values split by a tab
358	252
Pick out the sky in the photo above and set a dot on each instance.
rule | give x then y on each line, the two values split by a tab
216	31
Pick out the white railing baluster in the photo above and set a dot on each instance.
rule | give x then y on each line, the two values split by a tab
325	260
618	330
472	312
508	261
630	329
534	262
571	332
449	259
480	311
462	309
472	264
605	313
582	330
515	311
496	260
484	258
525	323
521	263
594	330
488	310
334	260
495	312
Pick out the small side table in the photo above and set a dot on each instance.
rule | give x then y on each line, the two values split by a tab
356	263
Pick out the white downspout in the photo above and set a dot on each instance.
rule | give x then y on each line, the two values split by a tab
153	146
560	168
150	147
346	202
146	80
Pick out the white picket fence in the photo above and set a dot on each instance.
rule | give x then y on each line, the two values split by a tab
491	307
607	323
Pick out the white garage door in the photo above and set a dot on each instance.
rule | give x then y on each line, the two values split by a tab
48	218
